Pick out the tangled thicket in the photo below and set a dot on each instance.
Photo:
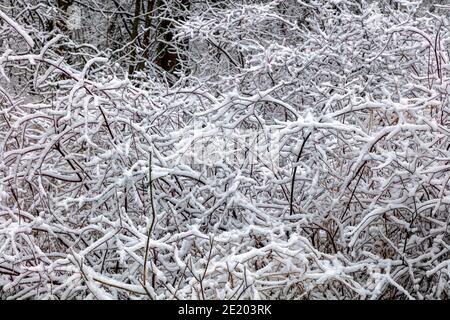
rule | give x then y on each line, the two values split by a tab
98	202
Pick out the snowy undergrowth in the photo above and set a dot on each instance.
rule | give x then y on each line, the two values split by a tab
356	205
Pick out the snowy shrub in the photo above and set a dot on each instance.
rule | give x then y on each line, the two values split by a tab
283	150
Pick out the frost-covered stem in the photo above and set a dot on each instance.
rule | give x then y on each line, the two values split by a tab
18	28
291	200
152	216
